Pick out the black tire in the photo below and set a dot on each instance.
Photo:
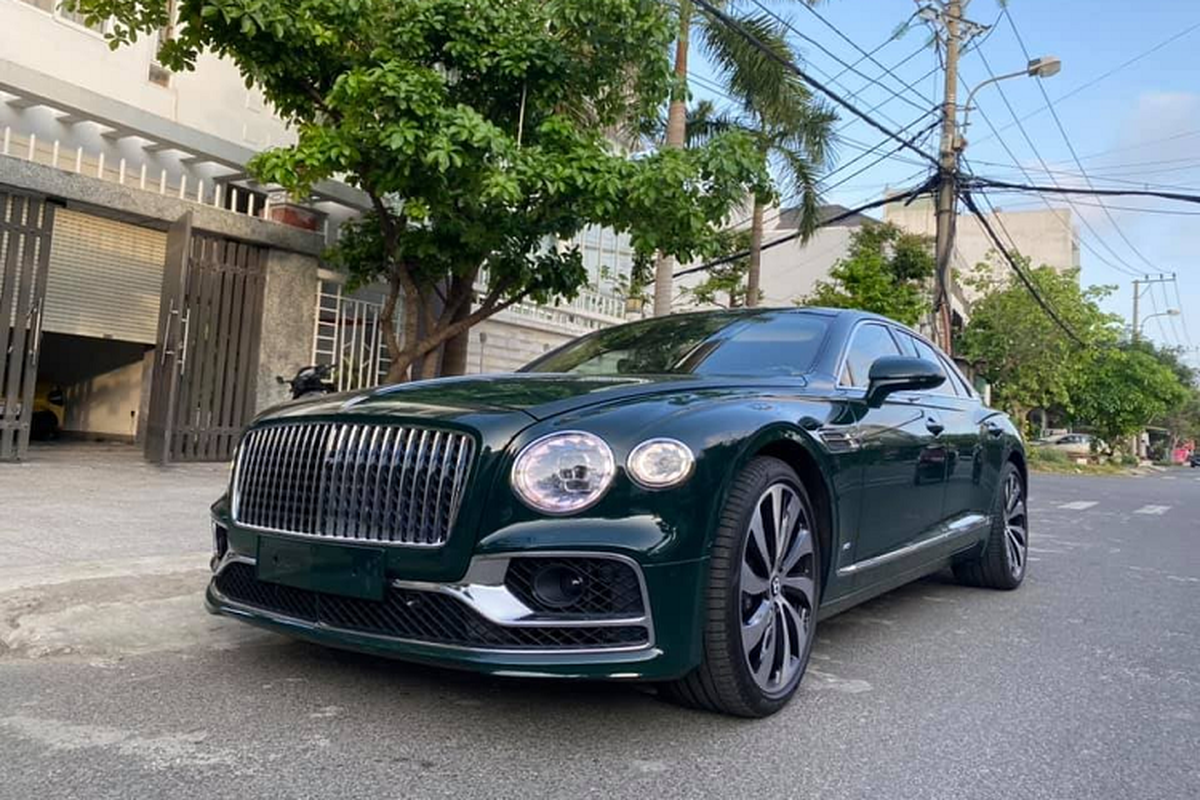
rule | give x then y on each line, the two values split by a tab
1003	562
724	681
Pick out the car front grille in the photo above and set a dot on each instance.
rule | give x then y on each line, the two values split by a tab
382	483
417	616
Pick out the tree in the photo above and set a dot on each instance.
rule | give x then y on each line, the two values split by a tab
477	132
791	129
886	270
727	279
1029	360
1122	390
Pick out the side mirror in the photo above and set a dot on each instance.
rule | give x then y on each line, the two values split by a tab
901	374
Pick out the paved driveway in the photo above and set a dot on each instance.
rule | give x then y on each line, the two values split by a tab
115	683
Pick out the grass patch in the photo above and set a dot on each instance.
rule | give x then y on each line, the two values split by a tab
1044	459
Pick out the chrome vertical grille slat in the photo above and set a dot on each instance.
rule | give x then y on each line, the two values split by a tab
380	483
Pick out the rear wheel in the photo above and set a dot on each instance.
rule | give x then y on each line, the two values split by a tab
1005	555
762	597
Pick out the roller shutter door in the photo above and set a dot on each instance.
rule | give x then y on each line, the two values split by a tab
105	278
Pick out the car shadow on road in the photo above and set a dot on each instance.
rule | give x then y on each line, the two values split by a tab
381	685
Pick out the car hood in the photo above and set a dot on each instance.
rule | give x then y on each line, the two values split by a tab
536	395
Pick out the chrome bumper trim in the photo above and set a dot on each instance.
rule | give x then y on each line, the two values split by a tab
482	589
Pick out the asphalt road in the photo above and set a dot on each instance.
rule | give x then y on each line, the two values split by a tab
1085	683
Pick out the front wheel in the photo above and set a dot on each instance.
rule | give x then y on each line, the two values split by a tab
760	608
1005	554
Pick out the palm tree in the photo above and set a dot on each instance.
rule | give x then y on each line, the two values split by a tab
772	104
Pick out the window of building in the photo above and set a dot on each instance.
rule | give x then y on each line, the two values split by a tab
869	343
55	7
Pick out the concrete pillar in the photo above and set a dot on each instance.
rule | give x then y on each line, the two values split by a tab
288	319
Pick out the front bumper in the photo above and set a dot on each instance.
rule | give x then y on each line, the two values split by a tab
478	623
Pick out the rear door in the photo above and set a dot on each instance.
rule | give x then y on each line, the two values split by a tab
904	464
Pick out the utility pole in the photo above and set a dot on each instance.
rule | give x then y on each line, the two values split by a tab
947	192
1140	286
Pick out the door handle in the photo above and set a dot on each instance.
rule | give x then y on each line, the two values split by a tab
934	425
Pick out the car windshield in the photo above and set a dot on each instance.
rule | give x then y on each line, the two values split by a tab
771	343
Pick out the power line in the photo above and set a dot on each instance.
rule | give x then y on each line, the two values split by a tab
1071	147
870	80
1187	335
919	190
886	70
1174	37
740	29
1163	211
1124	267
1018	187
1050	172
1140	145
1070	231
1025	279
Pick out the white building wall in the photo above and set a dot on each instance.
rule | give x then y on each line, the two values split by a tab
790	271
212	98
1044	237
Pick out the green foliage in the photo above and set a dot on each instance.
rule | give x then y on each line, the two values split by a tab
1030	361
476	129
1111	388
773	105
1123	389
884	271
725	285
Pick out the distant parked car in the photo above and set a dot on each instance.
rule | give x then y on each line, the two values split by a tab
1076	445
1194	458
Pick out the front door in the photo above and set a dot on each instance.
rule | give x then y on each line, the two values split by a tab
206	362
904	463
25	226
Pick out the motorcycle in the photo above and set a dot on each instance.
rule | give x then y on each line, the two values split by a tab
311	381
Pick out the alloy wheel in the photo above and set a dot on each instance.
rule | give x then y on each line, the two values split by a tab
1016	524
777	589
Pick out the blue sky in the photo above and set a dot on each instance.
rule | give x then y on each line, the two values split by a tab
1140	125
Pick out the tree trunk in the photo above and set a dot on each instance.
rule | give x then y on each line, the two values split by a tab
454	352
664	268
754	273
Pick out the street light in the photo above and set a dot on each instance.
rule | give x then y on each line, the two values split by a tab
1044	67
1170	312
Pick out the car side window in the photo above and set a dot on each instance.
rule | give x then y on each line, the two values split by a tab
869	343
926	352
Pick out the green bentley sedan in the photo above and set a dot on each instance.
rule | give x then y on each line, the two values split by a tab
678	501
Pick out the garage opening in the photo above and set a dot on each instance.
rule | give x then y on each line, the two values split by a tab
89	389
101	316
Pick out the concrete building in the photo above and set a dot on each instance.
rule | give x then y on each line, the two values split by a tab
1043	236
791	270
101	154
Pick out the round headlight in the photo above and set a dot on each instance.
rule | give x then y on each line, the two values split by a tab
660	463
564	472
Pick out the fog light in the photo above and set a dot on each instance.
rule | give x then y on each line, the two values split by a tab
220	538
558	586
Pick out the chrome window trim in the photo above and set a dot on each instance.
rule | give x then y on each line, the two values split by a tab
845	354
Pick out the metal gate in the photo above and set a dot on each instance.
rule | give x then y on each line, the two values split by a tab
25	225
206	363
